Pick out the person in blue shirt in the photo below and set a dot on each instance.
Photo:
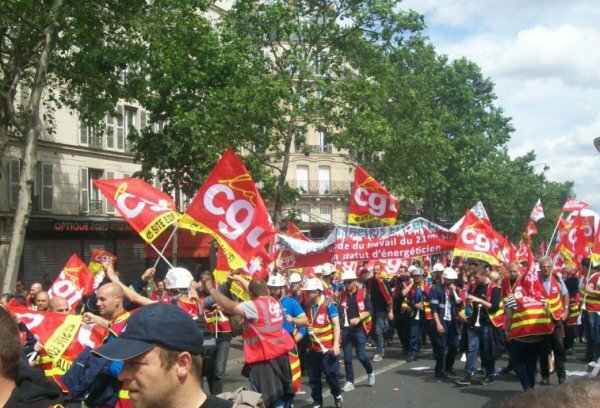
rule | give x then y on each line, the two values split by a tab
295	319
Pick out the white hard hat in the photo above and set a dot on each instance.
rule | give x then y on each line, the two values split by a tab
450	273
276	281
178	278
312	284
295	277
349	275
318	270
327	269
438	267
415	270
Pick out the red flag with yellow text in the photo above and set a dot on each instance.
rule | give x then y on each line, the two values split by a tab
74	282
477	238
370	201
229	207
147	210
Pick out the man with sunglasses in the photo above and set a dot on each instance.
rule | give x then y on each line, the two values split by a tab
355	319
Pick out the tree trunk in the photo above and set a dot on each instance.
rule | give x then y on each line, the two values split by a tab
281	180
33	128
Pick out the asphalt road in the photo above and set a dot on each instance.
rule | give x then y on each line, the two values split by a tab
402	384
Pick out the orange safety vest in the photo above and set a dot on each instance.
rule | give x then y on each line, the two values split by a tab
265	338
322	327
574	310
498	317
193	307
398	287
360	302
592	302
217	321
530	321
555	303
165	298
426	304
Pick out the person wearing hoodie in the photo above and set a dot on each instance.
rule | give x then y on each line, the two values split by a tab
21	386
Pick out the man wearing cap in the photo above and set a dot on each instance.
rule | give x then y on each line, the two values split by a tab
161	350
355	315
324	332
266	343
382	307
444	308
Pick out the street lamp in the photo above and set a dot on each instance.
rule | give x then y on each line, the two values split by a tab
546	167
597	143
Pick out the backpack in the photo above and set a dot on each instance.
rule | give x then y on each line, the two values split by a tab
243	398
88	380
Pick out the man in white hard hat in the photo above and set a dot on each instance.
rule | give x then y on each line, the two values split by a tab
327	277
324	336
294	316
445	302
437	271
355	315
295	290
415	299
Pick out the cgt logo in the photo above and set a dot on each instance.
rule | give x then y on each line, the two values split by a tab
220	200
131	206
479	241
377	203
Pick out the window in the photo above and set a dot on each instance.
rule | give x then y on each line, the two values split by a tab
302	178
110	209
90	196
15	177
324	180
326	212
131	124
323	145
120	134
304	210
89	136
47	193
110	132
84	191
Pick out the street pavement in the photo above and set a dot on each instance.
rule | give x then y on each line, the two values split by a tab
403	384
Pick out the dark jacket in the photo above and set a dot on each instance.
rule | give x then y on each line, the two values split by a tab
33	390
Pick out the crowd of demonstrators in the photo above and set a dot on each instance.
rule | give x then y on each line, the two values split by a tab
314	322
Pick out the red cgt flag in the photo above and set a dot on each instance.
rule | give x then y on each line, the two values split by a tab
99	256
294	232
147	210
229	207
371	201
74	282
595	253
574	205
477	238
573	244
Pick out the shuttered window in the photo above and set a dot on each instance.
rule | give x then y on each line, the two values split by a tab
15	177
84	191
47	192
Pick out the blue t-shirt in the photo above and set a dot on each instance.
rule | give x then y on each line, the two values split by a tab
292	307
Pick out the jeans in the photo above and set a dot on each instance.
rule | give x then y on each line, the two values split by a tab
445	346
402	324
523	359
379	325
355	337
479	340
215	368
415	338
594	318
318	363
554	342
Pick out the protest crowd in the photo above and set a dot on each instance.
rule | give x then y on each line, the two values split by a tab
163	340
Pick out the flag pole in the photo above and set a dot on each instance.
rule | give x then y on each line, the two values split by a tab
161	255
166	245
553	234
587	278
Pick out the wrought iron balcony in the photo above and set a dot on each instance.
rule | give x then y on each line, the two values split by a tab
322	188
95	207
307	149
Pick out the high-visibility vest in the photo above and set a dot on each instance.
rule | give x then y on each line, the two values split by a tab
193	307
217	321
507	288
360	302
265	338
398	292
426	304
592	302
165	298
529	322
555	303
497	318
574	310
322	326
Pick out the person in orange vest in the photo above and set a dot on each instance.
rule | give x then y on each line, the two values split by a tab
324	334
508	284
355	315
445	303
572	283
557	298
266	343
488	313
528	322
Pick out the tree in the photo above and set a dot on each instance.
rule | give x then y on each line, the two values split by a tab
305	48
58	52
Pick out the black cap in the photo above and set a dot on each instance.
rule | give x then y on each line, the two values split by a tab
158	324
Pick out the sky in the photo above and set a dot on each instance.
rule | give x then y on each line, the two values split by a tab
544	58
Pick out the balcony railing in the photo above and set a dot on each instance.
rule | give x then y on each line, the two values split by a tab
322	188
302	148
96	207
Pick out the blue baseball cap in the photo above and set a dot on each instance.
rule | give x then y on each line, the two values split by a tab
158	324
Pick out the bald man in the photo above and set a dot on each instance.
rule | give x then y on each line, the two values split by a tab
41	301
58	304
33	290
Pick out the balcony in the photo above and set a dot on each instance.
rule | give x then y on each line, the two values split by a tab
96	207
322	188
307	149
